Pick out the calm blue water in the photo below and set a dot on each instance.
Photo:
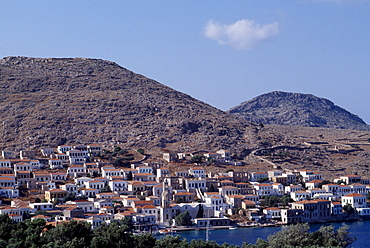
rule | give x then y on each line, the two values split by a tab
359	229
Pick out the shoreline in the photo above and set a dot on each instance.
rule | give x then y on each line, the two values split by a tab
182	229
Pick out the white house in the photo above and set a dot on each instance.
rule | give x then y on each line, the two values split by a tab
228	190
76	170
264	189
70	188
355	200
272	213
22	166
64	148
197	172
254	176
95	184
77	156
300	195
118	185
55	163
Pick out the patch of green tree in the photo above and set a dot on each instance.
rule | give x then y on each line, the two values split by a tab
183	219
140	150
300	236
262	179
73	234
197	159
275	201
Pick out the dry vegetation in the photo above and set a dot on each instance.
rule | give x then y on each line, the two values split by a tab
48	102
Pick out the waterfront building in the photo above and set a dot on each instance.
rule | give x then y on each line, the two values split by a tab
355	200
313	210
272	213
254	176
291	216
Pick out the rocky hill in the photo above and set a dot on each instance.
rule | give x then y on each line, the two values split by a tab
295	109
48	102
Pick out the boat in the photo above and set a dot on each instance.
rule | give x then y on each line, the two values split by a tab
166	231
233	228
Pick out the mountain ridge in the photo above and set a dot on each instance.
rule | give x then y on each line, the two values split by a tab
51	101
297	109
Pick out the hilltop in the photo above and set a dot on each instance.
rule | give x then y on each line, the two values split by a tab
296	109
49	102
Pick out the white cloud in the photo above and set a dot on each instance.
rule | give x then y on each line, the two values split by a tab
243	34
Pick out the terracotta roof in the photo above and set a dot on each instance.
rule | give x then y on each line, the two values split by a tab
184	193
354	195
310	201
235	196
143	174
148	206
6	178
315	181
57	190
40	216
229	187
357	184
272	208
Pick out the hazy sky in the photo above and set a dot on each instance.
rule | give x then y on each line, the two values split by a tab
220	52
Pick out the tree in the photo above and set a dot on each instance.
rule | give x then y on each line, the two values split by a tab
106	189
70	197
183	219
140	150
339	182
171	242
125	222
323	183
200	213
113	235
129	176
69	234
211	160
201	243
119	162
197	159
262	179
144	240
212	188
299	236
285	199
275	201
6	226
293	236
348	208
122	152
117	149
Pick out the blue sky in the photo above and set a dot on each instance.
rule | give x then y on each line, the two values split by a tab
220	52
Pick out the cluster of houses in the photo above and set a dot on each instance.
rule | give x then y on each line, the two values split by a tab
68	186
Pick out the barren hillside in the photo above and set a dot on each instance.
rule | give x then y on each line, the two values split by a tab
295	109
46	102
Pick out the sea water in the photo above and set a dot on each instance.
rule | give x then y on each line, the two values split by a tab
358	229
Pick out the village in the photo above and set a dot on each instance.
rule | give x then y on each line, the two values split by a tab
72	182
